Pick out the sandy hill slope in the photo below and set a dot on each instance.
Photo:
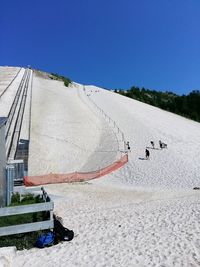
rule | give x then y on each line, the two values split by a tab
72	136
144	214
66	135
178	166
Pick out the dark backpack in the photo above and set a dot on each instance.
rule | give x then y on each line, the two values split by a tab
45	240
61	232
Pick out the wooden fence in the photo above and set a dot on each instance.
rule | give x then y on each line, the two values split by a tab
28	227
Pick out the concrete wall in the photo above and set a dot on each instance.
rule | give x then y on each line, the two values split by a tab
2	166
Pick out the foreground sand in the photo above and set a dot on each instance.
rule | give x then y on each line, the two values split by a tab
122	227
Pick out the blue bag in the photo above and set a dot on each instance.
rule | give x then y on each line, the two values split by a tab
45	240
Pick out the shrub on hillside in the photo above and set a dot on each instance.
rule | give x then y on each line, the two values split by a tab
185	105
66	80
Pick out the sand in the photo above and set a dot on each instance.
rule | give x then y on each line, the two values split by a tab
144	214
66	136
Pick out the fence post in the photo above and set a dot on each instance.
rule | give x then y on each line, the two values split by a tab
10	175
51	215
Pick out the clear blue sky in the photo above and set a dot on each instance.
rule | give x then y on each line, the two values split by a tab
110	43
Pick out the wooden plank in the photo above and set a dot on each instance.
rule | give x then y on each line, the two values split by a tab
25	228
26	209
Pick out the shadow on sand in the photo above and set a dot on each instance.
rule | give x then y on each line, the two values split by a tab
142	158
149	147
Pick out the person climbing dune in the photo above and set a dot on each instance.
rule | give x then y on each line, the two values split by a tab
128	146
152	143
147	154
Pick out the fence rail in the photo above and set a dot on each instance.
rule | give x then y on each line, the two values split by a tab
117	131
24	209
25	228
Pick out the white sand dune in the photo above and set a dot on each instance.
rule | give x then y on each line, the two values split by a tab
144	214
66	136
175	167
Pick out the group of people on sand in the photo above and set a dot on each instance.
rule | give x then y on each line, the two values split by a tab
161	145
147	153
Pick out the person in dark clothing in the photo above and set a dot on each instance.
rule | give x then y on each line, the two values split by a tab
147	154
160	144
152	143
128	146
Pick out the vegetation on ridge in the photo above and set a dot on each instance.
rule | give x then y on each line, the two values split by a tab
56	76
185	105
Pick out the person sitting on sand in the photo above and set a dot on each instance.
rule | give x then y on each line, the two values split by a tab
147	154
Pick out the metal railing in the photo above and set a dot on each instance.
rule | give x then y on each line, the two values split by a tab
117	131
14	104
12	147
